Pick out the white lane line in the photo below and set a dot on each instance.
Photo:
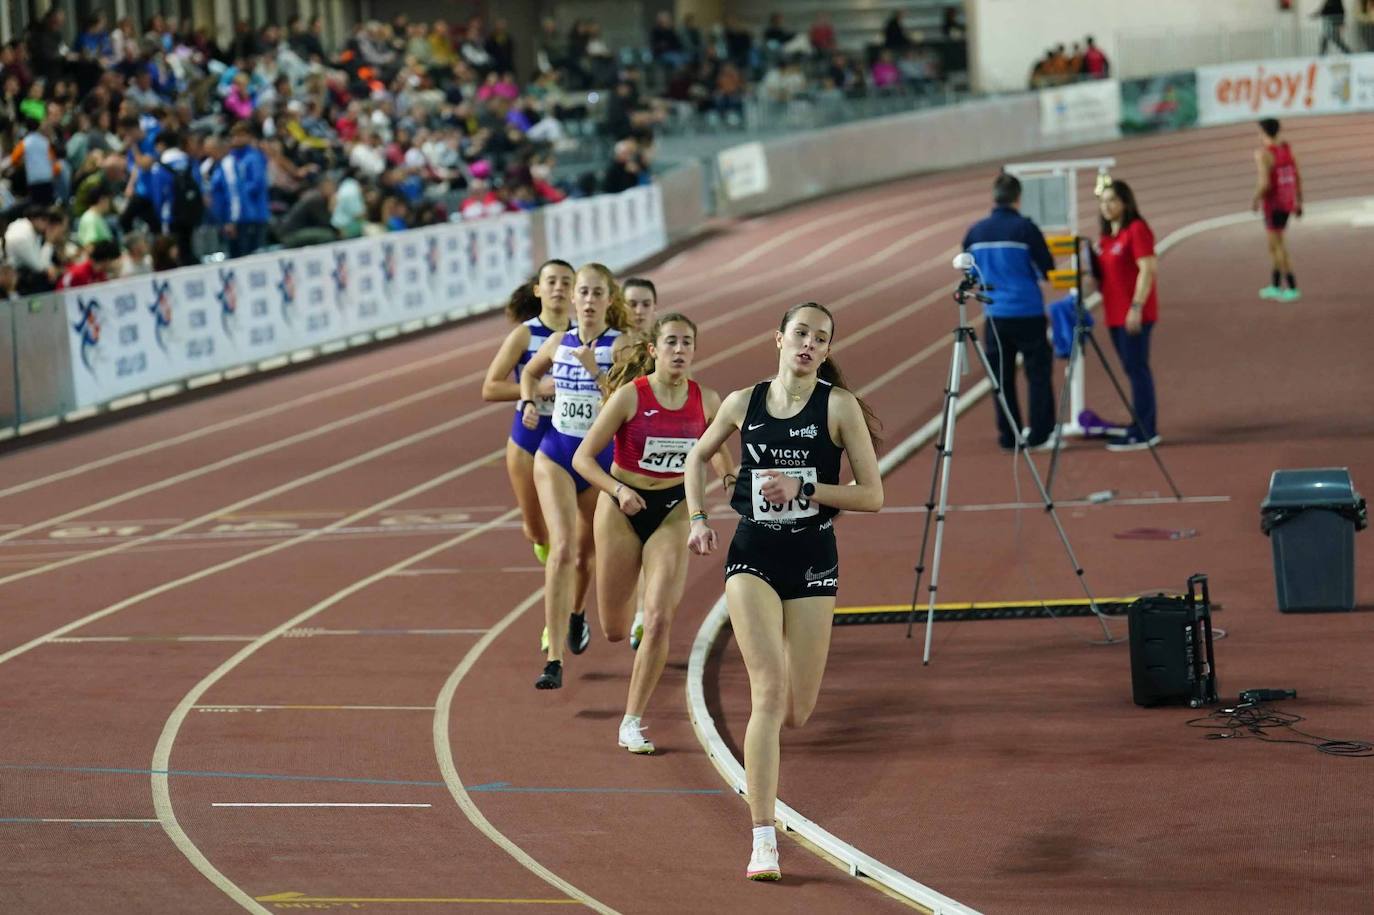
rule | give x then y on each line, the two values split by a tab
302	538
443	751
295	483
162	754
74	820
1058	503
82	639
419	572
329	804
719	753
308	632
246	418
315	708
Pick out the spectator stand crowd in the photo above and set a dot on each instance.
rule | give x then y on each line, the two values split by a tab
708	78
128	151
1059	67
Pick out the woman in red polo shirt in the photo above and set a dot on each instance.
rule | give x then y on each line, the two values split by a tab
1130	301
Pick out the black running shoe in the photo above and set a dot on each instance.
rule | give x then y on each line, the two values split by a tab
579	633
552	677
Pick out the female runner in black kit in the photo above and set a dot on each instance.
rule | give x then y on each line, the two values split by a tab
783	569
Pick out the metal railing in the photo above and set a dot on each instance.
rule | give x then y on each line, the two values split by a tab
1165	50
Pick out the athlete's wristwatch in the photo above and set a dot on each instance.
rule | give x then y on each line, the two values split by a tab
808	489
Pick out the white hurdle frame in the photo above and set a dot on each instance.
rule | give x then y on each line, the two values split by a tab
1067	170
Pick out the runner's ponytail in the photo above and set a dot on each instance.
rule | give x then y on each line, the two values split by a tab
523	304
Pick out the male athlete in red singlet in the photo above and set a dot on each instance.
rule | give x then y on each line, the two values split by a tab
1279	193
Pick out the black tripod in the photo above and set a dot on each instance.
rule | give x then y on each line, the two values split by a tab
944	455
1082	332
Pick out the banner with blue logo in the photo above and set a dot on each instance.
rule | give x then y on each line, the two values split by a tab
139	333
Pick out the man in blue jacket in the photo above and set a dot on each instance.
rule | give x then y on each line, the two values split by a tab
240	203
1013	258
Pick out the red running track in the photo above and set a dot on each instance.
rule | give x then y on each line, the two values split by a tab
311	591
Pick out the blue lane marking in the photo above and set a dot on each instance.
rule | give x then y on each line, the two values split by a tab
488	788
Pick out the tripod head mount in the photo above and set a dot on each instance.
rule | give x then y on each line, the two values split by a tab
972	283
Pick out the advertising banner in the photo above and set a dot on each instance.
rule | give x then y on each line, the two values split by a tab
1167	102
1283	88
134	334
743	170
1093	106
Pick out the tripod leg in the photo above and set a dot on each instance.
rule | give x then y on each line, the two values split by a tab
946	415
1130	408
943	464
1045	497
1075	366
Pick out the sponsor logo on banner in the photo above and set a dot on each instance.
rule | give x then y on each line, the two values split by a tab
743	170
1159	102
432	263
161	309
1278	88
193	318
227	295
340	277
286	290
388	265
87	329
1090	106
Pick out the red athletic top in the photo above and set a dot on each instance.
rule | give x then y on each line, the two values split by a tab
1282	194
1119	256
656	441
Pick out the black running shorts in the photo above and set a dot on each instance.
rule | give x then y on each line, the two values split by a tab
795	562
658	504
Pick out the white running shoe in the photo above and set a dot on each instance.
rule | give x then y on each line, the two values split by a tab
632	738
637	629
763	864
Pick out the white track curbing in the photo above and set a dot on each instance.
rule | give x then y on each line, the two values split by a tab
858	863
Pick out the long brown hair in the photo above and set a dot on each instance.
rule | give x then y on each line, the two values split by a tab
1130	212
635	360
617	313
830	372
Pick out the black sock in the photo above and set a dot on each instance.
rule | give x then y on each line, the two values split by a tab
1278	278
1292	283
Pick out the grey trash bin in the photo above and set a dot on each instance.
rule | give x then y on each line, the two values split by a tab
1311	517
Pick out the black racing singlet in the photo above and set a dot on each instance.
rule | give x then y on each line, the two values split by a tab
800	446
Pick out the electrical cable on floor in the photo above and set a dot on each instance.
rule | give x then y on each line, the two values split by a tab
1258	720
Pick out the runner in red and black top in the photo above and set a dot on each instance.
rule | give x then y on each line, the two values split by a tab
641	516
1279	194
783	567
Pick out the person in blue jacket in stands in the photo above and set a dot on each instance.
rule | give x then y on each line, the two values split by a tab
239	193
1013	258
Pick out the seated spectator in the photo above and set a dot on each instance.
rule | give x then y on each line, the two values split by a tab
166	254
1095	64
665	44
886	76
626	170
822	34
136	259
310	219
94	225
775	34
98	266
895	38
31	245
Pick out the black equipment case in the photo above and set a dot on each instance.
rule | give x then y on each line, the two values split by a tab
1171	648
